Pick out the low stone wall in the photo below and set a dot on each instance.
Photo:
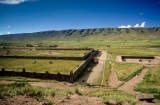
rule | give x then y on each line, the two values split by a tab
46	75
50	48
51	57
44	57
87	54
137	57
76	73
60	77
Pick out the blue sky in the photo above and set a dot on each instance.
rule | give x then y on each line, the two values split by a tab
25	16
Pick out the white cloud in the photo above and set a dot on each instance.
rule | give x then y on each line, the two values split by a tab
8	33
136	26
128	26
142	25
13	1
0	34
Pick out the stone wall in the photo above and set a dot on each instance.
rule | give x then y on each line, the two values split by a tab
46	75
51	57
44	57
50	48
137	57
60	77
77	72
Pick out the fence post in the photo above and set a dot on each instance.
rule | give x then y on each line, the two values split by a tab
3	71
58	76
71	76
46	74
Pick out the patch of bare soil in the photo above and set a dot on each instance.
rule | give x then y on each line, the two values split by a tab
20	100
68	86
72	100
6	82
113	79
145	103
80	100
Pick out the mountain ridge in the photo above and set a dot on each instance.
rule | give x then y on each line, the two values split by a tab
81	33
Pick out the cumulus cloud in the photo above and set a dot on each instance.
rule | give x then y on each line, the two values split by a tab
8	33
128	26
136	26
142	25
13	1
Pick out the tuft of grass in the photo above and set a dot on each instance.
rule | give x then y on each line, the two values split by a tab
78	91
119	96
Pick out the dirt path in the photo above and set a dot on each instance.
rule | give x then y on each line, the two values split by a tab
113	79
96	74
129	86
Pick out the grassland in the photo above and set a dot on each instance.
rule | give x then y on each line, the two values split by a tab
151	82
42	94
33	52
34	65
125	71
138	42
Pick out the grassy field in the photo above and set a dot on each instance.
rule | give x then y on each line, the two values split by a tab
27	52
151	82
42	94
134	51
34	65
125	71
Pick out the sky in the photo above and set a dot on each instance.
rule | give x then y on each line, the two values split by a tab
27	16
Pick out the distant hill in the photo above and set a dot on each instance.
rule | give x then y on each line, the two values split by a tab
70	34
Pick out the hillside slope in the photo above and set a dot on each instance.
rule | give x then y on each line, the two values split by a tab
70	34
